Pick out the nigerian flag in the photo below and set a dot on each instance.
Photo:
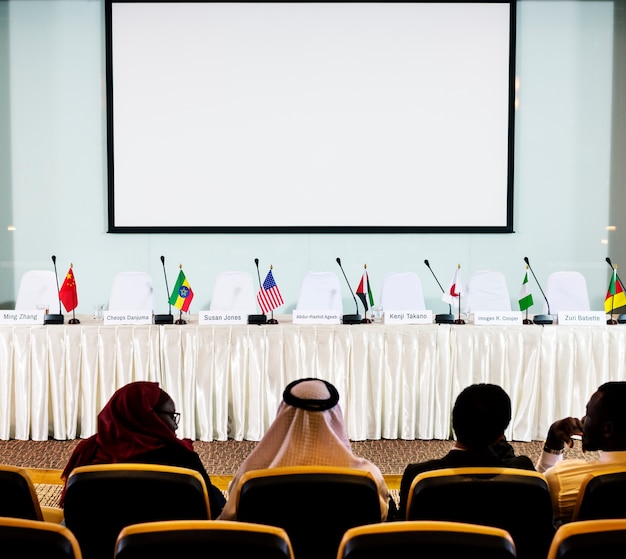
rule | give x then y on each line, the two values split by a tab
525	296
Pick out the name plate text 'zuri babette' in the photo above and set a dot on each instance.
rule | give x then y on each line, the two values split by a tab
581	318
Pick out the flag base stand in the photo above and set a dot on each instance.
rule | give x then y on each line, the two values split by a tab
527	321
366	321
73	321
180	321
53	319
164	319
459	321
444	319
611	321
257	319
272	321
351	319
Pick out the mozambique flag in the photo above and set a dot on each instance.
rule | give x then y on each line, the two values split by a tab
364	291
615	297
182	293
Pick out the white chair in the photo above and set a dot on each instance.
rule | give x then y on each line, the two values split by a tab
402	291
566	291
132	291
320	291
487	291
37	289
234	291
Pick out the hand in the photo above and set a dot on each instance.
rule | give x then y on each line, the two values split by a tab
561	431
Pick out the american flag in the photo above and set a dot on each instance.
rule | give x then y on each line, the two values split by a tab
269	296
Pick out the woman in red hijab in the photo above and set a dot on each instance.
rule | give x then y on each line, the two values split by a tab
138	424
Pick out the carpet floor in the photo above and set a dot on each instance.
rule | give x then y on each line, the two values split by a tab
46	459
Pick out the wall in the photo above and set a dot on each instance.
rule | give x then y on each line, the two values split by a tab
53	171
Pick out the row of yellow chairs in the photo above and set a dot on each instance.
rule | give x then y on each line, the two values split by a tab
315	505
223	538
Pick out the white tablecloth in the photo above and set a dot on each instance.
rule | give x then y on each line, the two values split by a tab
227	381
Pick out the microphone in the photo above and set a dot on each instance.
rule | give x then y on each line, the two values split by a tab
55	318
441	318
540	318
165	318
621	319
257	318
350	318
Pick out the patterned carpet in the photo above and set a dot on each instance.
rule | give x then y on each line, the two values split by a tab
222	458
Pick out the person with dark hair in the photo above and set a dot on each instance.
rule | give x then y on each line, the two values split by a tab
603	429
308	430
138	424
480	415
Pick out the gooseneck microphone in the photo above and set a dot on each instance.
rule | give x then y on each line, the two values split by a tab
165	318
441	318
540	318
55	318
258	318
350	318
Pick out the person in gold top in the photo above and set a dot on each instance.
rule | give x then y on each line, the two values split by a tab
603	429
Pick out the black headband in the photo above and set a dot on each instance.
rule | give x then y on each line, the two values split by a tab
311	404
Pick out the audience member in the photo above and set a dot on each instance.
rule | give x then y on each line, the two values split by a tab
138	424
480	415
308	430
603	429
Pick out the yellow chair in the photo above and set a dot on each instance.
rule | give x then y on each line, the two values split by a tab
602	494
589	538
19	497
426	539
35	538
515	500
315	505
202	538
102	499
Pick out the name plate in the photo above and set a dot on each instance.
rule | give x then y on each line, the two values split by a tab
581	318
225	318
408	317
487	318
18	318
317	317
115	318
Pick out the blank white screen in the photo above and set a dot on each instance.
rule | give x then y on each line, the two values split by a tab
307	115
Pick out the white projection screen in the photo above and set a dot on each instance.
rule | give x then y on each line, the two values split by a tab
310	117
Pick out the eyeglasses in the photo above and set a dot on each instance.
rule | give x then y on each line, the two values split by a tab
173	414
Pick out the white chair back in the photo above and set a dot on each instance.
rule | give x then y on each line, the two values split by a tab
487	290
566	291
320	290
132	291
402	291
38	288
234	291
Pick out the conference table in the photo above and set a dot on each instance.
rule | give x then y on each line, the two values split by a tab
395	381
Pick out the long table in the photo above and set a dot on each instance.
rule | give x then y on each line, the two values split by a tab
395	382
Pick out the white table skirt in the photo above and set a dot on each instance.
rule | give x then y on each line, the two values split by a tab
395	382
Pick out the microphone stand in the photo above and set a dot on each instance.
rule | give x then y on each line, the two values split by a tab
55	318
258	318
441	318
165	318
621	319
540	318
350	318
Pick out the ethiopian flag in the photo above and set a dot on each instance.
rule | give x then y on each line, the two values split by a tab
615	297
182	293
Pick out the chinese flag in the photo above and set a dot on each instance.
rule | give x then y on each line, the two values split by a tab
68	294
